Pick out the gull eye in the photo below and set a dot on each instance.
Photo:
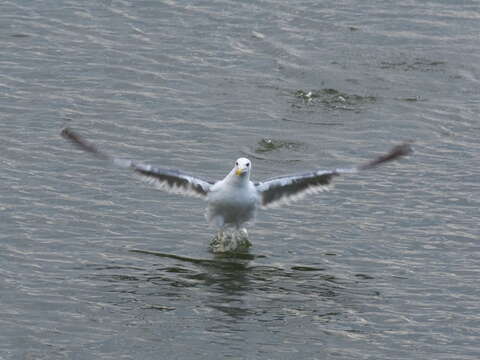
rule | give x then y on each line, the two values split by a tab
248	164
236	163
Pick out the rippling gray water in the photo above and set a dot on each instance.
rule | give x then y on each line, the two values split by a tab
94	264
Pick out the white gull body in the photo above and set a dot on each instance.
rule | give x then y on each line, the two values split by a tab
233	200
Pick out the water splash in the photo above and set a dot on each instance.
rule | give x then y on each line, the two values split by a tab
227	241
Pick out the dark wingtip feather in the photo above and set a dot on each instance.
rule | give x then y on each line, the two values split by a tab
394	154
79	142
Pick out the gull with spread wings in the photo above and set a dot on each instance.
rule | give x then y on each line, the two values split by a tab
232	202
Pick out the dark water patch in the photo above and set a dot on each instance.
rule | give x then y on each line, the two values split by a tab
306	268
412	99
176	270
159	307
319	123
267	145
102	267
418	64
20	36
331	99
110	277
364	276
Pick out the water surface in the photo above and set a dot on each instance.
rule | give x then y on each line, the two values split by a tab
95	264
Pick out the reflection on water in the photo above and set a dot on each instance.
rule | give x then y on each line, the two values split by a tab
233	284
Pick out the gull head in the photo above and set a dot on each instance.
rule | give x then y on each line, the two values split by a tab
242	167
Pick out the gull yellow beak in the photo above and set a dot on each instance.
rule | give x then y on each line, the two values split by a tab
239	171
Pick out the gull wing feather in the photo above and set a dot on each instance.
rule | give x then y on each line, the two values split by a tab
284	189
170	180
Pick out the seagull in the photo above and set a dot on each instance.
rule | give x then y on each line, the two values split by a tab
233	201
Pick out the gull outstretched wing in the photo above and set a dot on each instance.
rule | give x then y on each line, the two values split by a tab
170	180
285	189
